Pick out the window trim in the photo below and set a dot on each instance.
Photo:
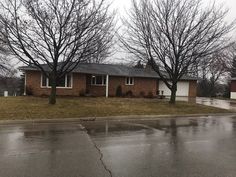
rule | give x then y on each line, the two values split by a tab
103	78
47	82
129	81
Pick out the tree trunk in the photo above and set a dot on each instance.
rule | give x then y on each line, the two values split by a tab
52	97
212	89
173	94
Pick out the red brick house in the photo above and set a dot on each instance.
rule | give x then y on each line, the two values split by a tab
104	80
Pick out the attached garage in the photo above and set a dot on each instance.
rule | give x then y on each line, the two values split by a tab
184	88
233	88
233	95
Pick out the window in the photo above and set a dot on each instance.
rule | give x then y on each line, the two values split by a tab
68	80
98	80
61	82
129	81
64	82
44	81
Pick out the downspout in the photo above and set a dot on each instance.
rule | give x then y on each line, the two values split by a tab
107	86
25	86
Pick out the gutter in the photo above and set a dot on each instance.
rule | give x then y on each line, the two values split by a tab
114	118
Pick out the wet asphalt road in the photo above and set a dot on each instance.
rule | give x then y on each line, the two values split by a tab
195	147
48	150
188	147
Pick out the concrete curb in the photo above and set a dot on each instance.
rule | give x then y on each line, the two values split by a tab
111	118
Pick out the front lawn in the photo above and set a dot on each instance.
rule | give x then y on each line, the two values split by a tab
12	108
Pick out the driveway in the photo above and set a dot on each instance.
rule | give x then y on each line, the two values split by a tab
183	147
225	104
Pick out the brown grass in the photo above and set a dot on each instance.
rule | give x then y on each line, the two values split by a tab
13	108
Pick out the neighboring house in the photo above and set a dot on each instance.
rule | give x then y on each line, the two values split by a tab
233	88
11	85
104	80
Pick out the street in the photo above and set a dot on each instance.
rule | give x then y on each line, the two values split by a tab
48	150
182	147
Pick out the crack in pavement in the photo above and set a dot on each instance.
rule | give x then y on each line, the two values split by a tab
99	151
101	159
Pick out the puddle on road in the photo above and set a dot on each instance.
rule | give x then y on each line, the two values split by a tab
166	147
166	125
127	127
178	147
47	132
37	131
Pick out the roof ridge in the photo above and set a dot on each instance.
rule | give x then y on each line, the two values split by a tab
111	64
111	69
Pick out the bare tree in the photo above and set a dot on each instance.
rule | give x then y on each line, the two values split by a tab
217	70
102	53
173	35
139	65
4	64
230	54
58	33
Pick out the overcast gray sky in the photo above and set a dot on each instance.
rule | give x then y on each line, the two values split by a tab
121	5
231	4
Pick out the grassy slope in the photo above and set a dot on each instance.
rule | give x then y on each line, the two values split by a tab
32	107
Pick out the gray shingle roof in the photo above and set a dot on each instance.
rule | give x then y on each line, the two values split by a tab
110	69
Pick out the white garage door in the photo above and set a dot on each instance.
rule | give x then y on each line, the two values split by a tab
182	88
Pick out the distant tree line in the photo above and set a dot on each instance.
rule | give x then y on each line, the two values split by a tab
214	78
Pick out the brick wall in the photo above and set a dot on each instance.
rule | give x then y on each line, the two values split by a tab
233	86
33	82
192	89
82	83
94	90
144	85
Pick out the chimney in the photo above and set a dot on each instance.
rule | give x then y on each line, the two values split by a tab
148	66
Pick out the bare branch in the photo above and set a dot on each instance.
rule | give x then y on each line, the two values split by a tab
174	35
58	33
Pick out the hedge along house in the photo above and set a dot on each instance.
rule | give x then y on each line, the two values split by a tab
105	80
